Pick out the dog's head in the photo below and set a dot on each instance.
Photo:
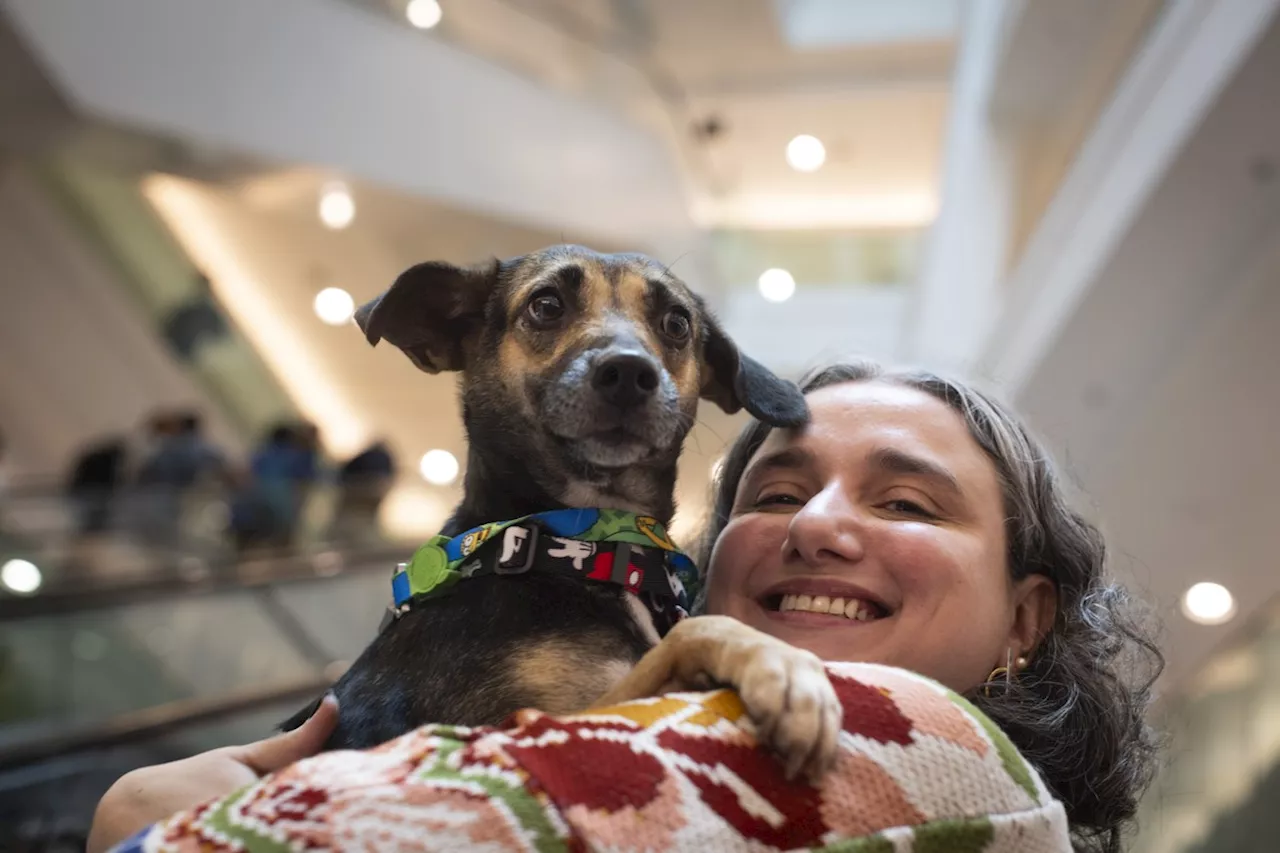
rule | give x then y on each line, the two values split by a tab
589	363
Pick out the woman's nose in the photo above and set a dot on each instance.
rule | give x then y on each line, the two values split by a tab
825	530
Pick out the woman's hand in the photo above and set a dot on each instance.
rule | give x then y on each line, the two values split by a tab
143	796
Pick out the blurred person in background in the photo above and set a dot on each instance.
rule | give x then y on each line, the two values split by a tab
282	471
96	479
363	483
180	462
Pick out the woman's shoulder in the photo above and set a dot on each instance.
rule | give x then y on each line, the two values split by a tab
919	769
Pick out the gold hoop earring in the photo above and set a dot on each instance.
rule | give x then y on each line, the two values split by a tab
1005	672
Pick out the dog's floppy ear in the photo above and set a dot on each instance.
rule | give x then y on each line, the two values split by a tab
430	312
735	381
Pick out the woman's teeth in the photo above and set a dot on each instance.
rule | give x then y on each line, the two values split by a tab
849	608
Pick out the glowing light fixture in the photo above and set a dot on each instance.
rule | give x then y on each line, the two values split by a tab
774	211
439	467
21	576
337	207
423	14
334	306
806	153
414	512
777	285
1209	604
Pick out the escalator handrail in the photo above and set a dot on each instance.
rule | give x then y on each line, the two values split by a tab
100	595
156	721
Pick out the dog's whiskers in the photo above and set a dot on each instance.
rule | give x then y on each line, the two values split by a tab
666	270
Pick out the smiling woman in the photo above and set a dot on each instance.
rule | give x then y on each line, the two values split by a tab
887	504
915	522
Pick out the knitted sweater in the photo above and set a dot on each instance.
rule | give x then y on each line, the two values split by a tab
919	770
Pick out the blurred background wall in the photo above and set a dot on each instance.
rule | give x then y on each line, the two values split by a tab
1074	203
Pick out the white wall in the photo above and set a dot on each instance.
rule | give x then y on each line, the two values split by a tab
957	295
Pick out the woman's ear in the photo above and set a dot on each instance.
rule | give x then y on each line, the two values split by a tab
1035	606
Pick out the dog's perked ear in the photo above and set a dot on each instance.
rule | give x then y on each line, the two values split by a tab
430	312
736	381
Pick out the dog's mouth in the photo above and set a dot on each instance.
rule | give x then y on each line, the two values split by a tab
614	437
613	447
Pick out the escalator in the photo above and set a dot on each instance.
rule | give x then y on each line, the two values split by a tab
99	677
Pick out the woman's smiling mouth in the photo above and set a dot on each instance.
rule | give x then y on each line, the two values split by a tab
815	602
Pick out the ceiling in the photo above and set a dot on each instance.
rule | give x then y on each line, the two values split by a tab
729	98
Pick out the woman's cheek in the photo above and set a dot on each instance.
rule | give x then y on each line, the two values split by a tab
919	556
732	559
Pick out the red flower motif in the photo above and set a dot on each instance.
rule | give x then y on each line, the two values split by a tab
796	803
868	711
592	772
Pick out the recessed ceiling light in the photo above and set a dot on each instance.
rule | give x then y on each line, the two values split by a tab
777	285
337	207
806	153
334	306
1209	604
21	576
439	467
423	14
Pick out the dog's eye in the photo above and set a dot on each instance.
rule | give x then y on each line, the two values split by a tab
675	324
546	306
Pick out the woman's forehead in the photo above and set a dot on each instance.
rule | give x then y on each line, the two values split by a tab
856	418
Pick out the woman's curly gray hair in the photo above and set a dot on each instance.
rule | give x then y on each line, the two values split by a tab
1078	711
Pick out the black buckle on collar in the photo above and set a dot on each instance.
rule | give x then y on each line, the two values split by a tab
515	554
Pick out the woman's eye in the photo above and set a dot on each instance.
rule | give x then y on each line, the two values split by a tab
779	499
546	306
907	507
675	325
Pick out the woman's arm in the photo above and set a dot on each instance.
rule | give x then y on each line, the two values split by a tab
143	796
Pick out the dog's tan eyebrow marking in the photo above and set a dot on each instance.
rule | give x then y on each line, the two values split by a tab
568	276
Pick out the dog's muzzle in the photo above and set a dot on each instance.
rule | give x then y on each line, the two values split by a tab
615	406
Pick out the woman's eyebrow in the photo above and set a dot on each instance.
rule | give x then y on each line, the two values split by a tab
894	461
789	458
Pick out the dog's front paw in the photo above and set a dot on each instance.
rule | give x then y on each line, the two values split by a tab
785	690
789	697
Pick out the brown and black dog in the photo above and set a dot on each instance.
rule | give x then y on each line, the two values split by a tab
580	378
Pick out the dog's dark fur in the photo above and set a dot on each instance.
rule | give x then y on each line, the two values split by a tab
543	437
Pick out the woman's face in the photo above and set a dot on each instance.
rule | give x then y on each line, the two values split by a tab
876	533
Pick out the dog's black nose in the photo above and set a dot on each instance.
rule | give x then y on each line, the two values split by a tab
625	379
